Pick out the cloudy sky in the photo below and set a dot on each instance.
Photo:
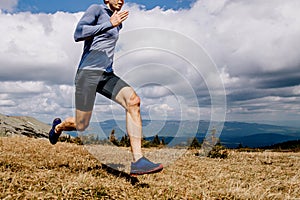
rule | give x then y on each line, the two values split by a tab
182	57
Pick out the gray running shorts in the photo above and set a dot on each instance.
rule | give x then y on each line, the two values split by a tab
88	82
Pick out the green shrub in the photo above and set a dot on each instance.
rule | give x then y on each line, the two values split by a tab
218	151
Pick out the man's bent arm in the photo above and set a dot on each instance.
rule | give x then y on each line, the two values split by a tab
87	28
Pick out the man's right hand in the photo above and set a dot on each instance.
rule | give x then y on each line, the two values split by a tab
118	17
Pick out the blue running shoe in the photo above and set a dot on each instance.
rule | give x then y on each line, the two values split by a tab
53	137
145	166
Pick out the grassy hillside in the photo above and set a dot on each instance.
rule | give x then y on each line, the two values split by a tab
34	169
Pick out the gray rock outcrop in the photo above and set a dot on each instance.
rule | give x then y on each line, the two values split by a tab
27	126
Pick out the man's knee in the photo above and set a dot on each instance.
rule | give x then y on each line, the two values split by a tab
82	119
81	126
134	102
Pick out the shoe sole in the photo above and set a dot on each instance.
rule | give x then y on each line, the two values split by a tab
55	139
155	170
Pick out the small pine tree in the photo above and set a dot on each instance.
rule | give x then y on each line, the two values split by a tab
155	141
195	144
240	146
218	151
125	141
113	139
212	146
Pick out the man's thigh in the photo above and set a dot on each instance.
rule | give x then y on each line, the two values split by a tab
86	83
110	85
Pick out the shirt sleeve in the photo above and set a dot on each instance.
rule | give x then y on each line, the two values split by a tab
87	27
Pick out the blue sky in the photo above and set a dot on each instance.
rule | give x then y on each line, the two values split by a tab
51	6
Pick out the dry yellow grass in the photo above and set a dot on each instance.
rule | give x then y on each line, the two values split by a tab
34	169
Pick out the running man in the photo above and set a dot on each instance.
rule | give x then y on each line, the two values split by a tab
99	29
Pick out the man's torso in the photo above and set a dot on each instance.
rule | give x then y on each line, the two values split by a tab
99	50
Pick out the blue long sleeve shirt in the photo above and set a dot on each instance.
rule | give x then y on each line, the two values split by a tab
99	36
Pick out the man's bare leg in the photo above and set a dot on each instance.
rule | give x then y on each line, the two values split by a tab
80	123
131	102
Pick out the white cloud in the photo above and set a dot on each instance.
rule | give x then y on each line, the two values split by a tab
8	5
7	102
296	90
37	99
38	47
256	36
254	40
22	87
227	79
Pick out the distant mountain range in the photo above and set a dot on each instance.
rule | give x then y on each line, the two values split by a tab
174	132
233	133
256	135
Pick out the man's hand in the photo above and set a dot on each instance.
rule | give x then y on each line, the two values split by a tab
118	17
